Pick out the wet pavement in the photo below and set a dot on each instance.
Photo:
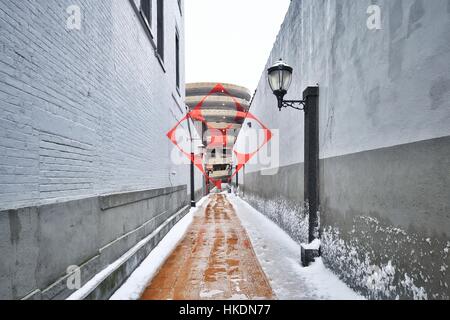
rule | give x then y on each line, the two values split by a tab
215	261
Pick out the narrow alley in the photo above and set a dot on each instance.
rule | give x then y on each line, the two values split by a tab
227	250
215	260
210	150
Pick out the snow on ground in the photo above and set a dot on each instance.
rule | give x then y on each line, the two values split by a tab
279	256
133	288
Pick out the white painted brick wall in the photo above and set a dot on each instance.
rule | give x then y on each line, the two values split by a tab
84	112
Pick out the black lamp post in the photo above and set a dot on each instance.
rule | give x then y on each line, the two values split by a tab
280	80
237	180
193	202
201	148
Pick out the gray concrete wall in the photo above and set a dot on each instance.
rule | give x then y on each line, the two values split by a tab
384	141
38	244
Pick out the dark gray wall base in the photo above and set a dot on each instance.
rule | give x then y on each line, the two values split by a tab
406	185
38	244
120	274
385	217
384	262
386	220
287	214
287	184
59	290
279	197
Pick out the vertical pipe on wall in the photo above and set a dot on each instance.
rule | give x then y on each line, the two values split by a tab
311	96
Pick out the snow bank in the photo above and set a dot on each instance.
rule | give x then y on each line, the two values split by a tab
279	256
136	284
290	216
133	288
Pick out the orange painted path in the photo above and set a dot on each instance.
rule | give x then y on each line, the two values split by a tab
215	261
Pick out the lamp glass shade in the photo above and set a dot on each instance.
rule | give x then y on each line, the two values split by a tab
287	80
280	77
274	80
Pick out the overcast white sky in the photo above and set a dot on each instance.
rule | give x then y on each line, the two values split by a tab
230	40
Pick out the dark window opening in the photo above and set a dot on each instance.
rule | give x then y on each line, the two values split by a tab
146	9
180	6
160	26
177	59
221	167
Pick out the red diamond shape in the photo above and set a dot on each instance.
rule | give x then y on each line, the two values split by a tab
219	136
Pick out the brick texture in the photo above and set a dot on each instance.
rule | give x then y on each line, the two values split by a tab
85	112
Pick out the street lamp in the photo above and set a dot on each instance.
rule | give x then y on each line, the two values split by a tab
280	80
